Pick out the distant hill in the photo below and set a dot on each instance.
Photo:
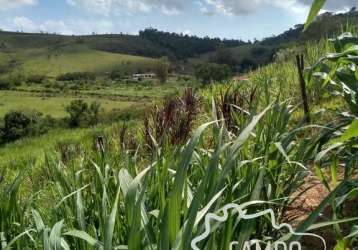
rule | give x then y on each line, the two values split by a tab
326	25
52	54
149	43
253	55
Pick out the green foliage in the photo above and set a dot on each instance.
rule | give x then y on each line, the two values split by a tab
162	69
183	46
325	25
118	74
120	203
5	84
77	76
14	79
212	72
224	57
36	78
19	125
82	115
316	7
339	69
254	153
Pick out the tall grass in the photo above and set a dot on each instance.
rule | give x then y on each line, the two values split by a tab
107	204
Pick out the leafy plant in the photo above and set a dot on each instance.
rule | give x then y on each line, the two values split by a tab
316	7
81	114
212	72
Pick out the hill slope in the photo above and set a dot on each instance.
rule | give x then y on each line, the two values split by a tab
55	54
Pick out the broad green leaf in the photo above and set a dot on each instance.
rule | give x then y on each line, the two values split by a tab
351	132
316	7
55	236
175	200
40	226
330	223
86	237
248	226
110	222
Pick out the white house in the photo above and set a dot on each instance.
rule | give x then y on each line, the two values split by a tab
143	76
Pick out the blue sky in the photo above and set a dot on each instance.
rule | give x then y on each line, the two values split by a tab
239	19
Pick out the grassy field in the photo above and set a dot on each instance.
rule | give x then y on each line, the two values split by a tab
78	59
51	104
111	95
73	58
35	148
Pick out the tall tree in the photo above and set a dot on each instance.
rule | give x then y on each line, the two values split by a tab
162	69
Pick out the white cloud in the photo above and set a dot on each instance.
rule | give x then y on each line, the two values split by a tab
66	27
9	4
207	7
23	23
243	7
184	31
107	7
233	7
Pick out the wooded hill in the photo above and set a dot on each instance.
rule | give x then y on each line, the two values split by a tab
179	48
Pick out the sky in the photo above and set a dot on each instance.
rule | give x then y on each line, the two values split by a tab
231	19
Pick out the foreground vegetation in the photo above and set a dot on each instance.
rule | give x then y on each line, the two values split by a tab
152	186
112	192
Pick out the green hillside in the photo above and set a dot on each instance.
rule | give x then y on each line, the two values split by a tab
70	58
52	54
77	58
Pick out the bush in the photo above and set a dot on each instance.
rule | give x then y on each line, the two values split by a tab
9	66
15	79
212	72
259	51
18	125
162	69
77	76
225	57
36	78
81	114
248	64
118	74
4	84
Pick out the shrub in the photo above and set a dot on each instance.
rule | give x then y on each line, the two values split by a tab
15	79
4	84
248	64
81	114
15	126
118	74
224	57
259	51
36	78
77	76
210	72
18	125
162	69
9	66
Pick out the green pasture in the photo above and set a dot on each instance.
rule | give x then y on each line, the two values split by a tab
72	58
53	105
